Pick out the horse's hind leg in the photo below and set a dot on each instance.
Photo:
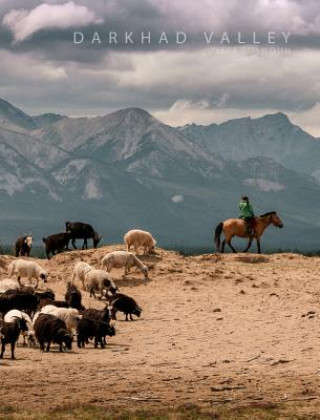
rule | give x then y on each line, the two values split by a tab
223	246
229	243
249	245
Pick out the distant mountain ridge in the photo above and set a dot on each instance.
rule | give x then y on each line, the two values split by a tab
127	169
271	136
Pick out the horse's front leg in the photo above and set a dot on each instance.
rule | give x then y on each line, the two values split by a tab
249	244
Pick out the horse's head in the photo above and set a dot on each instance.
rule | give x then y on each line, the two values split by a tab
274	219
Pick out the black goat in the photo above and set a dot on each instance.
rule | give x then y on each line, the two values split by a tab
123	303
57	303
18	299
47	294
73	297
83	231
10	332
95	324
54	244
100	315
50	329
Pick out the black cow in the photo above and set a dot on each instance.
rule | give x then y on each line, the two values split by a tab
83	231
54	244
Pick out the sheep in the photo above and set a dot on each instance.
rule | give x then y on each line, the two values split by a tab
79	272
119	259
18	299
48	329
83	231
30	269
8	284
125	304
69	315
98	280
56	243
10	332
29	333
73	297
22	246
140	238
94	324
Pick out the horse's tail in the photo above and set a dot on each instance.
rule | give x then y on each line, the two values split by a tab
217	234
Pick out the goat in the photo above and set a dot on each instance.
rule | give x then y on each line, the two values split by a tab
73	297
123	303
10	332
23	246
50	329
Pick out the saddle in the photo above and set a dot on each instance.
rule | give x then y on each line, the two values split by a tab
250	225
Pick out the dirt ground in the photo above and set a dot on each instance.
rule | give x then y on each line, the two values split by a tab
215	329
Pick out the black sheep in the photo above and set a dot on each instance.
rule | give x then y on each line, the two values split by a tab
94	323
10	332
56	243
18	299
123	303
50	329
73	297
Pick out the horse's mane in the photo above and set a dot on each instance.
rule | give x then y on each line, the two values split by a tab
268	214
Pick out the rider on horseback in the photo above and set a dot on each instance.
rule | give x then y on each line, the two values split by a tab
247	214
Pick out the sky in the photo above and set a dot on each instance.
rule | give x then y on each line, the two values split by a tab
43	70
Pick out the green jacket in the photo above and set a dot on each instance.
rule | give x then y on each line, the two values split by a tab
246	210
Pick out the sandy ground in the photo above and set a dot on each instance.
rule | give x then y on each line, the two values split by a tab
214	329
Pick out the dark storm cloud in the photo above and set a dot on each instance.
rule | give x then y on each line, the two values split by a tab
55	75
123	16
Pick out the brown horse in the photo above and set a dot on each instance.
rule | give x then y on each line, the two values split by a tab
238	227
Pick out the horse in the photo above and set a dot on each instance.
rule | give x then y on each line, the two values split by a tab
238	227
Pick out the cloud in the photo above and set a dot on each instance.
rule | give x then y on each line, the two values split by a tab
308	119
24	24
186	104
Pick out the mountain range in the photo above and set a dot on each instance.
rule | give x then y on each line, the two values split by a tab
129	170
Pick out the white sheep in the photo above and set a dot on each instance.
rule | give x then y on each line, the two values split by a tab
70	316
140	238
79	272
29	269
14	314
98	280
8	284
119	259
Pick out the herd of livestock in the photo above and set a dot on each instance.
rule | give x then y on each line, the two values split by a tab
39	318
